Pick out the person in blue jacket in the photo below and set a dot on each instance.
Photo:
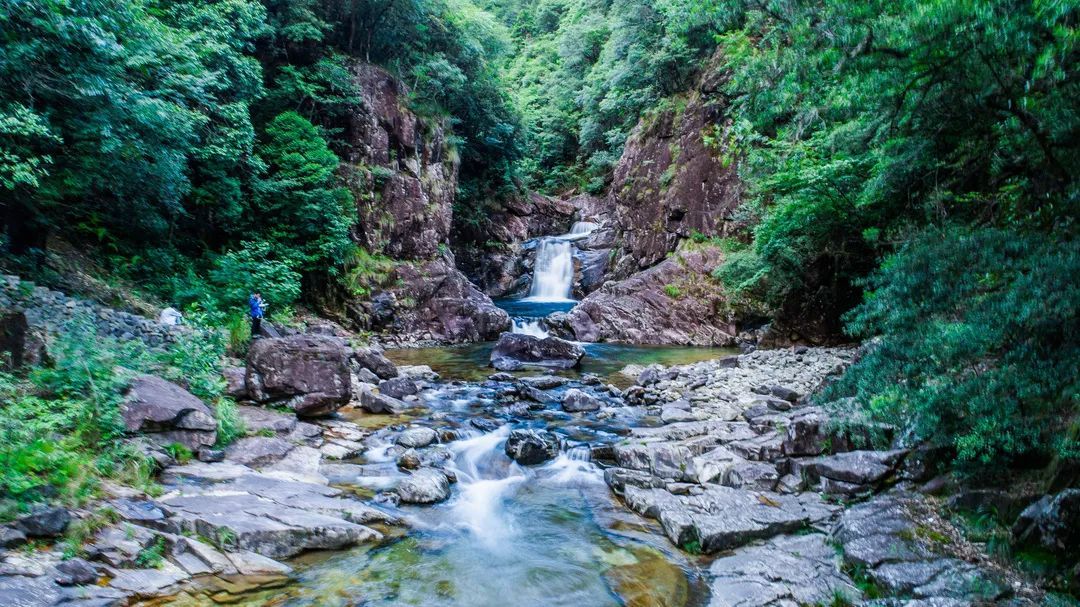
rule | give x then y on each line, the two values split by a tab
255	310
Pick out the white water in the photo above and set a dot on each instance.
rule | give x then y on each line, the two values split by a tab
553	273
579	230
529	327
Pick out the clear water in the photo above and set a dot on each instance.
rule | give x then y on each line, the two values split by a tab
548	535
470	362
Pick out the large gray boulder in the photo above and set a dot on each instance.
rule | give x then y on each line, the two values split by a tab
167	413
424	486
576	401
1053	522
530	447
514	351
372	359
307	373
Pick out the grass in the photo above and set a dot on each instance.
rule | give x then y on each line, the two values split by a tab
61	431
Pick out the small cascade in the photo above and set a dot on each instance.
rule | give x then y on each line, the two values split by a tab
579	453
580	229
529	327
553	273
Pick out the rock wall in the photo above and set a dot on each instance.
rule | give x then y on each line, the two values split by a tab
51	310
674	302
496	256
403	174
677	176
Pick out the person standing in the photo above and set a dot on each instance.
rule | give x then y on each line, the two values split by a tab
255	310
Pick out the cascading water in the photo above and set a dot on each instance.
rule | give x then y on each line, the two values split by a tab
529	327
582	228
553	273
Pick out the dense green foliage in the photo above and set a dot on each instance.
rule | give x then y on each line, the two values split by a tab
586	70
939	140
61	428
195	143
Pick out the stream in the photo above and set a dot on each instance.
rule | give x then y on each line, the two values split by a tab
551	534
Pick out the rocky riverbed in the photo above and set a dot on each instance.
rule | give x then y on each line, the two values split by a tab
716	483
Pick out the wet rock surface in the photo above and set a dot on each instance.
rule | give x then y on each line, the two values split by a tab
514	351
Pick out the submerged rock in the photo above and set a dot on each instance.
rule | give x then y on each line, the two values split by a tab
530	447
515	350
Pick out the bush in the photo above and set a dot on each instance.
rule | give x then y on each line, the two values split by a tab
60	426
979	342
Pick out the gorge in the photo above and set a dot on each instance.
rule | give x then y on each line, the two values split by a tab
455	303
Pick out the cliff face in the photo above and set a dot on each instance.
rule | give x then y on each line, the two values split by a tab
403	174
676	182
676	178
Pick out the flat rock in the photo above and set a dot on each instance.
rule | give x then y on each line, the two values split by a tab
258	451
786	570
901	544
260	419
541	382
721	518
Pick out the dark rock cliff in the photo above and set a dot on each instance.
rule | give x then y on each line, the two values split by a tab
676	182
403	173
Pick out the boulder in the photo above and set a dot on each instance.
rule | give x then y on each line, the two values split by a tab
515	350
373	401
424	486
576	400
865	468
76	572
416	438
1053	522
307	373
168	412
235	382
398	387
530	447
374	360
44	522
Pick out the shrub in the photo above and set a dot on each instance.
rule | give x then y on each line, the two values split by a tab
979	342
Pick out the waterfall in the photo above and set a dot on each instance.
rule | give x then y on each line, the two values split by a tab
529	327
553	272
582	227
580	230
